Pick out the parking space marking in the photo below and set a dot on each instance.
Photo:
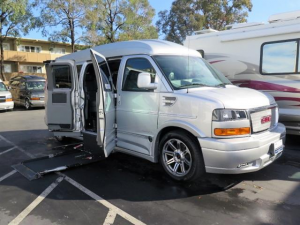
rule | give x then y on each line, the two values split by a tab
36	202
17	147
110	218
113	210
7	175
8	150
107	204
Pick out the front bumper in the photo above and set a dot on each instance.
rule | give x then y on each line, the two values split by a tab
224	156
6	105
37	103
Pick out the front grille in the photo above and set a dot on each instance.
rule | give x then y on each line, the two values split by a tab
257	115
2	99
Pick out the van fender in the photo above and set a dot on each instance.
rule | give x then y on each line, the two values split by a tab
176	124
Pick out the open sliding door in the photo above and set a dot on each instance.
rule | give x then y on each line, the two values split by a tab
106	113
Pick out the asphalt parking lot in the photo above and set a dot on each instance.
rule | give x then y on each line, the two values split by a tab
126	190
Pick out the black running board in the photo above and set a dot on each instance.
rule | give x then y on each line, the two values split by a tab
35	168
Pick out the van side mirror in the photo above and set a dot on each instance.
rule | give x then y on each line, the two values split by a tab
9	88
144	81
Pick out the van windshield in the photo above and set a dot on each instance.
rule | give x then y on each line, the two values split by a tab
189	71
35	85
2	87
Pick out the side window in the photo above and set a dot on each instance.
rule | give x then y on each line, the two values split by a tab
62	77
78	67
299	56
279	57
133	67
22	85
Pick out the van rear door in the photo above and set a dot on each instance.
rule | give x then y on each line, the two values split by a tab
61	103
106	115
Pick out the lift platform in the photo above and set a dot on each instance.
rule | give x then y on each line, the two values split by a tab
79	155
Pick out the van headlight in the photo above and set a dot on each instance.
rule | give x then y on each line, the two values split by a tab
34	97
229	115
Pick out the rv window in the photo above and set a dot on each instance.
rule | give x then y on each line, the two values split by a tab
62	77
299	56
279	57
133	68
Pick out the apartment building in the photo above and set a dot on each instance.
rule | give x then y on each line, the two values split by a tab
26	56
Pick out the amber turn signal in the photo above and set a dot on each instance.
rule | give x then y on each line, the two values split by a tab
35	98
232	131
9	100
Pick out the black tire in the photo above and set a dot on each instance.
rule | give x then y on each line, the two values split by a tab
197	168
27	104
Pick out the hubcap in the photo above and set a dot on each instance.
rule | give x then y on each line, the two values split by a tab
177	157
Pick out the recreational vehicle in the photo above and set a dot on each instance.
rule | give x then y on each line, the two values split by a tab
162	102
262	56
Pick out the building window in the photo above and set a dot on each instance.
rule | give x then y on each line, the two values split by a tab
6	68
6	46
58	50
279	57
28	48
62	77
31	69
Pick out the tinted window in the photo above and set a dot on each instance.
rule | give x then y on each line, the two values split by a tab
2	87
35	85
279	57
78	69
62	77
133	68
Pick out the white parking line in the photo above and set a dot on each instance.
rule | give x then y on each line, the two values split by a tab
36	202
113	210
7	175
110	218
104	202
20	149
8	150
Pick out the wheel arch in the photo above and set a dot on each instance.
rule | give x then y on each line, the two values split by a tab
187	128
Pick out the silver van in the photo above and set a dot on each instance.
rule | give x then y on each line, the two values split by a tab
6	102
162	102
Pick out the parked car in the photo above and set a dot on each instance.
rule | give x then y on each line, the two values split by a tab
28	91
6	102
162	102
262	56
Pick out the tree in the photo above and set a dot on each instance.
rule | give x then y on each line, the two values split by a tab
187	16
109	21
15	19
65	16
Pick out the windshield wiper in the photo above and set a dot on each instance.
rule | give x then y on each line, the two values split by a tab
195	84
220	85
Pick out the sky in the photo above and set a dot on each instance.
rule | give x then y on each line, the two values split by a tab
261	11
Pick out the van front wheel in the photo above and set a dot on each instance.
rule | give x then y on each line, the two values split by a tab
181	156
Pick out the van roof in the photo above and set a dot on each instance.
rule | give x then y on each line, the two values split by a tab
143	47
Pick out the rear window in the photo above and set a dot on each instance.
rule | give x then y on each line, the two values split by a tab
62	77
2	87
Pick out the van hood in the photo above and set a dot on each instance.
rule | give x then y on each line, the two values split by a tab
233	97
5	93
